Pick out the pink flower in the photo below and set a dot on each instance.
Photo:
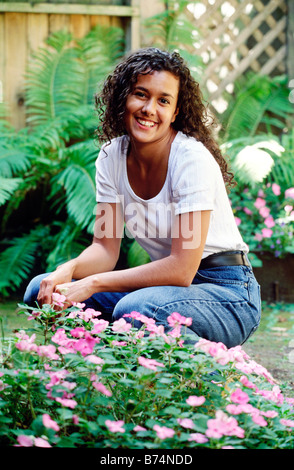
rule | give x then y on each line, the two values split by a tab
270	414
101	388
75	419
85	345
266	232
25	441
269	222
258	419
78	332
194	400
264	211
58	299
121	326
238	220
67	402
149	363
115	426
276	189
176	319
186	423
119	343
259	203
247	211
238	396
247	383
258	237
40	442
287	422
99	326
139	428
198	437
50	423
94	359
138	316
288	208
47	351
163	432
289	193
223	425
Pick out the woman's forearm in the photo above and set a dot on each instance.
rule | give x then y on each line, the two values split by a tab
94	259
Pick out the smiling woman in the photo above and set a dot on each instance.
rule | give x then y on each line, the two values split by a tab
159	152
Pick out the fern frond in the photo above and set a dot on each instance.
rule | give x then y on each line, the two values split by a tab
17	261
54	80
7	187
257	97
78	182
13	161
68	244
99	51
137	255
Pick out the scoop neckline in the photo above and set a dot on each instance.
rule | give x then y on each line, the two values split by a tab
128	185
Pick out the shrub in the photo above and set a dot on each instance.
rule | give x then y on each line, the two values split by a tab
75	380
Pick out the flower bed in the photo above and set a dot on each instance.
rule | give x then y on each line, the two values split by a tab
265	217
77	381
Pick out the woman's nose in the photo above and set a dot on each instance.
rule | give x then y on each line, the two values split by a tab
149	107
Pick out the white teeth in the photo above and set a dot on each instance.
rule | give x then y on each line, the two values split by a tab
146	123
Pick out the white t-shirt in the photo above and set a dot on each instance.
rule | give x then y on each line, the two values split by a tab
193	183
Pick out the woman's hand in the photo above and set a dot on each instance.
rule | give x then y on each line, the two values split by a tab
77	291
63	274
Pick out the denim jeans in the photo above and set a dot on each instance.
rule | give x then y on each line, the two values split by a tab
223	302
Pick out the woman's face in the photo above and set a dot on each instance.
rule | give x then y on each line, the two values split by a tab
151	107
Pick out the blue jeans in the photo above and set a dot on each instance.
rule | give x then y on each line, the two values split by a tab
223	302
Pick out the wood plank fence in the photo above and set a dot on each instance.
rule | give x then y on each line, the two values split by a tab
233	37
24	27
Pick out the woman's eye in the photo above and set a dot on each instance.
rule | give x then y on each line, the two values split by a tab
164	101
141	94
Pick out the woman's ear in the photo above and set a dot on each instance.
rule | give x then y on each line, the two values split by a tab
175	114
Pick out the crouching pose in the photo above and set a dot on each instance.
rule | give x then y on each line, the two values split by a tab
161	174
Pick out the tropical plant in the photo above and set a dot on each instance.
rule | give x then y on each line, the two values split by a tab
47	193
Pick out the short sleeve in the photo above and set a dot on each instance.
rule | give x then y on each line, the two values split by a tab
106	190
194	179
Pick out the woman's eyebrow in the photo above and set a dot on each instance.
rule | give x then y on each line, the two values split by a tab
138	87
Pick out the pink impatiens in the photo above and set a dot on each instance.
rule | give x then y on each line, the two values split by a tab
149	363
223	425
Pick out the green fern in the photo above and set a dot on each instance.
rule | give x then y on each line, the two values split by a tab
78	181
136	255
7	188
259	100
19	258
66	244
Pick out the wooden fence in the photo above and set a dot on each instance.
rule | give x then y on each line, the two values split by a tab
24	27
233	37
236	36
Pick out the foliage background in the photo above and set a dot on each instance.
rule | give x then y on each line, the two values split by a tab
47	168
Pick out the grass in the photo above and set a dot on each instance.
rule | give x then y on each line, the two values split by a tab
272	345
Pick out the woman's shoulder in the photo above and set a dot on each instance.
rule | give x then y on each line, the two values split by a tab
114	148
187	148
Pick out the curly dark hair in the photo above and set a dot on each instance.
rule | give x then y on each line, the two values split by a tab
193	118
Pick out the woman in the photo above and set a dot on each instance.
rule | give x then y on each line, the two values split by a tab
161	172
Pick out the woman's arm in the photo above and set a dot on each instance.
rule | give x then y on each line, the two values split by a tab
179	268
101	255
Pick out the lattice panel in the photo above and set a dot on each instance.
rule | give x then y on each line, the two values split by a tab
236	36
